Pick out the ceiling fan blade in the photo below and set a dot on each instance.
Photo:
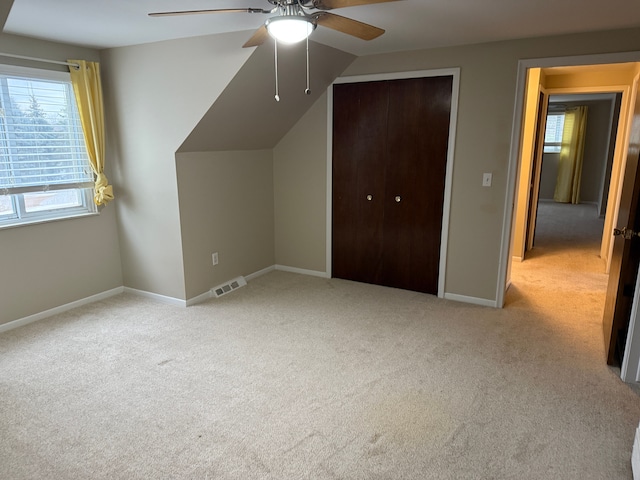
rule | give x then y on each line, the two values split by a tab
258	37
331	4
348	26
219	10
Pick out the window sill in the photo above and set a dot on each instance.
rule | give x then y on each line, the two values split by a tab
47	220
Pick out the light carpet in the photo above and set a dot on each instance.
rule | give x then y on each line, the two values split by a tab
296	377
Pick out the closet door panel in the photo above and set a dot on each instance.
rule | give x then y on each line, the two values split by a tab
359	137
390	143
417	141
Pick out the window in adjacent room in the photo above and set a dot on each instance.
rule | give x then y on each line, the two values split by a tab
553	132
44	169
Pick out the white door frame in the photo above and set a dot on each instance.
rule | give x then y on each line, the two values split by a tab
516	138
446	207
630	369
606	246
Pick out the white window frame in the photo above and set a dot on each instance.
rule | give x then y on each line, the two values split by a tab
20	216
556	146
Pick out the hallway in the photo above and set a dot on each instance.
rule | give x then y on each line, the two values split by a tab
563	277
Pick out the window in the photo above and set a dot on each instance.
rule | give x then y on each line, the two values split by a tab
44	169
553	133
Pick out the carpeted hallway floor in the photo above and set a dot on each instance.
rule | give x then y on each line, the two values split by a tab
295	377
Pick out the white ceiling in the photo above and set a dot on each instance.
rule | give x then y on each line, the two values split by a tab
409	24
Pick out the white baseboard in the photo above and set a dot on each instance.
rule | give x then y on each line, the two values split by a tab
248	278
207	294
199	299
302	271
474	300
259	273
192	301
62	308
156	296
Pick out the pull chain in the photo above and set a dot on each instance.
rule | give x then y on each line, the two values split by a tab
308	89
277	96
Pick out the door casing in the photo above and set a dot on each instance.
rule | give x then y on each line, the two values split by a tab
516	140
538	152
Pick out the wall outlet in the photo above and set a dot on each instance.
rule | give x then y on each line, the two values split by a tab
214	258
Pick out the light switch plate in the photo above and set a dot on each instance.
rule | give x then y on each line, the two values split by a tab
486	179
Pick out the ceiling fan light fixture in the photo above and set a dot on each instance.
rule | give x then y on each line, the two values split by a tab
289	28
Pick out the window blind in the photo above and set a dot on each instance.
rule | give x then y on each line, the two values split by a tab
553	133
555	125
41	140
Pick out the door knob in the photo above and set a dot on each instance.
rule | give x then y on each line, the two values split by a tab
627	233
398	198
369	197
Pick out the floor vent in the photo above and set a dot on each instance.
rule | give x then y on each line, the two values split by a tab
230	286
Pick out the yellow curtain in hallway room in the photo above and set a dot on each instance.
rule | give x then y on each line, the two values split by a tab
88	92
571	156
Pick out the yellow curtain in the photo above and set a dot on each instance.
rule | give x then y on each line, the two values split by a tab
88	92
571	155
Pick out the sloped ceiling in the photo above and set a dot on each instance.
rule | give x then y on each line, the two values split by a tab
246	115
5	8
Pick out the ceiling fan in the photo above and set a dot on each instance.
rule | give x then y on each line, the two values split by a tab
292	21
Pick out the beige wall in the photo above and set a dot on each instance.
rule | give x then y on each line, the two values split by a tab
485	117
300	188
226	206
56	263
51	264
155	95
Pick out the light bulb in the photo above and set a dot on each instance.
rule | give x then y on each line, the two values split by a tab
289	28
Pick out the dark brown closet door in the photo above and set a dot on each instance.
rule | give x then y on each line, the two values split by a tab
359	162
417	140
389	160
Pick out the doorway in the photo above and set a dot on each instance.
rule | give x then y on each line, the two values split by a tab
592	180
619	79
